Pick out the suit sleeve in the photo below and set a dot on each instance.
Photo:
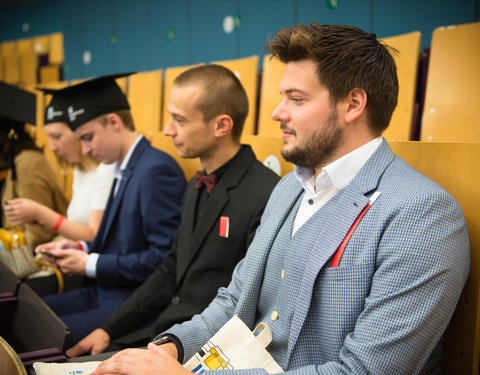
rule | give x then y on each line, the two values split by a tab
147	301
160	193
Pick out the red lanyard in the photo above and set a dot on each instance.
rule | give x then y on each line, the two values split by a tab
341	248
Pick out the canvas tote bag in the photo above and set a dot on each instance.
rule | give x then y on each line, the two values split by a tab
235	347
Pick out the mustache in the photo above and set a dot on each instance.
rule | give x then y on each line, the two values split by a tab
284	127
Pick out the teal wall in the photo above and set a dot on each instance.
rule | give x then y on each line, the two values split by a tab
126	35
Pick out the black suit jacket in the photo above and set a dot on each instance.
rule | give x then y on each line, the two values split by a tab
201	260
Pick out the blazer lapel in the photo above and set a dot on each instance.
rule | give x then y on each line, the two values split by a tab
127	173
216	202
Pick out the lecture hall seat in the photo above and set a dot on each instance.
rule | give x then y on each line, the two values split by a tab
270	97
450	165
267	150
145	99
246	69
34	331
9	284
452	95
408	46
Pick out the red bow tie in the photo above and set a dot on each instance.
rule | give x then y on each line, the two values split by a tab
208	181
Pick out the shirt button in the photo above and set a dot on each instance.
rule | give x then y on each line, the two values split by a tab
176	300
274	315
283	274
310	202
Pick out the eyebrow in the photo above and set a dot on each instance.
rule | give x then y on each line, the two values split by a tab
294	90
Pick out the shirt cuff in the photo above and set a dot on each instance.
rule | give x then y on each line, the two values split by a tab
84	246
91	267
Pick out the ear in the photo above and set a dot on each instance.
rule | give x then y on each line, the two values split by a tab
357	101
223	125
114	120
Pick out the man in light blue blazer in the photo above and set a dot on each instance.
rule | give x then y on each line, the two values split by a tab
359	260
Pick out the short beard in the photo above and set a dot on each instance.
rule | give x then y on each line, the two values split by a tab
319	148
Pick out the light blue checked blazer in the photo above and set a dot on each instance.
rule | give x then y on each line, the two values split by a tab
386	306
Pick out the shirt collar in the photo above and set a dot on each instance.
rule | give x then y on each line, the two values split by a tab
338	173
118	171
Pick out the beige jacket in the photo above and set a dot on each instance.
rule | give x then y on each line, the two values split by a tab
35	180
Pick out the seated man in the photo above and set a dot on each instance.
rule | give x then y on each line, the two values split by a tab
359	260
141	216
208	107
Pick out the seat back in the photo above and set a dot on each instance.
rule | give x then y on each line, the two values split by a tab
145	99
32	324
408	46
270	97
9	283
452	97
450	165
267	150
246	70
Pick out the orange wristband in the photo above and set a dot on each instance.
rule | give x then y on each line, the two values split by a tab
59	221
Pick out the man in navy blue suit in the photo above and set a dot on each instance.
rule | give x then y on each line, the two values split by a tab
142	213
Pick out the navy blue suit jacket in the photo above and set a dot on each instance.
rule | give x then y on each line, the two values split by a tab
138	225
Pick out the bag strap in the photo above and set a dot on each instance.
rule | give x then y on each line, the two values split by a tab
263	334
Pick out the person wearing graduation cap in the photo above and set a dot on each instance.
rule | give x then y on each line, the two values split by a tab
142	213
91	181
30	175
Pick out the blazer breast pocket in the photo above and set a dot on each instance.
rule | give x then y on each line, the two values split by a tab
221	250
345	273
348	285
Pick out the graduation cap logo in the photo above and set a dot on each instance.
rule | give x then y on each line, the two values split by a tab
72	114
92	98
51	114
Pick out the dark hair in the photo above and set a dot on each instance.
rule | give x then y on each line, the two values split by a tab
222	94
13	140
347	58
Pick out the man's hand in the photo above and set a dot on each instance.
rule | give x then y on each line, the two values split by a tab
70	261
50	246
152	361
96	342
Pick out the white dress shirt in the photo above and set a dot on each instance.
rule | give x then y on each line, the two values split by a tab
91	266
331	180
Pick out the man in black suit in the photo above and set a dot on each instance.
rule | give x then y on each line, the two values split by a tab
221	210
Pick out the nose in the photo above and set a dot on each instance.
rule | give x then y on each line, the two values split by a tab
280	114
85	148
169	129
52	145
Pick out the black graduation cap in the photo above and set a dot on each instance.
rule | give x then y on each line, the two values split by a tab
56	111
16	105
93	98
